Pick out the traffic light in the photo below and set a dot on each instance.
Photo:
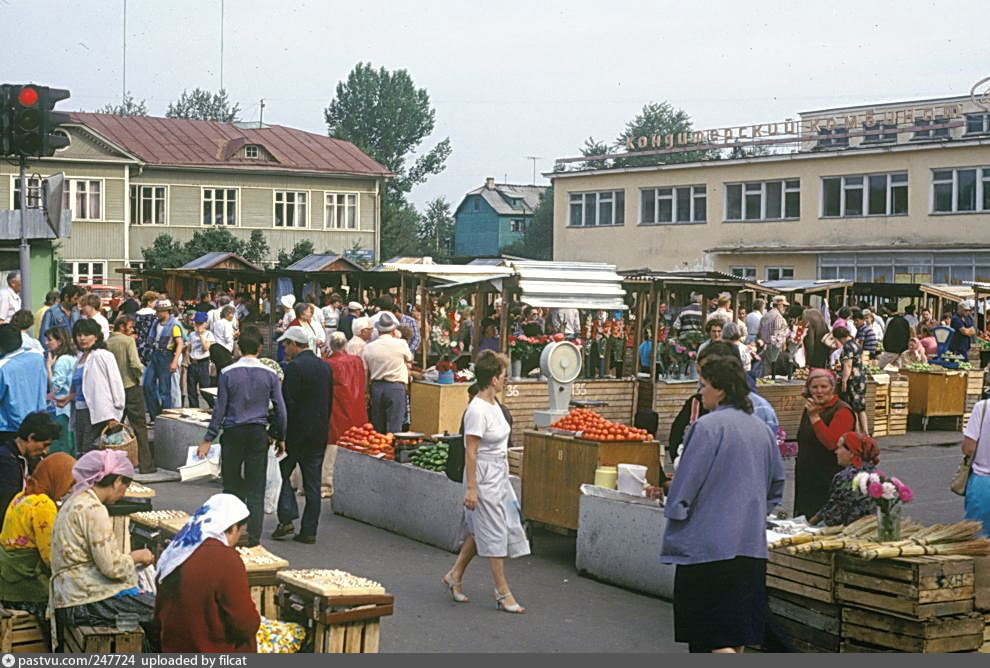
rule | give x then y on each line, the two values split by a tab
29	121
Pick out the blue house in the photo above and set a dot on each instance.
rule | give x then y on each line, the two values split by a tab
492	217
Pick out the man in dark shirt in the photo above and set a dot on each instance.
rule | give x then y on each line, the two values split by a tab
31	440
895	338
130	305
354	310
204	305
963	329
308	393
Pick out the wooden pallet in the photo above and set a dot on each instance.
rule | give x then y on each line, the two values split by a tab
959	633
985	647
102	640
516	461
917	587
813	626
807	575
20	633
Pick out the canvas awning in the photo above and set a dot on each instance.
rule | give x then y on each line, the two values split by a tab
581	285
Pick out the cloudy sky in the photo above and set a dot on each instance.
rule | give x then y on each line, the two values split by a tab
508	79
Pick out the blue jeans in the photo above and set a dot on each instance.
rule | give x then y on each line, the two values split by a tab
158	383
311	466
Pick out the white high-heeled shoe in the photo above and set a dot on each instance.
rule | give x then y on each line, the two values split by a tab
453	585
501	605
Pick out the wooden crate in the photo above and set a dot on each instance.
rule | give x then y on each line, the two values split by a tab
936	394
122	533
813	626
958	633
263	580
556	467
435	408
523	398
811	576
20	633
102	640
516	461
338	624
917	587
985	647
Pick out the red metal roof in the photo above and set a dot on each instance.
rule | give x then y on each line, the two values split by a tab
177	142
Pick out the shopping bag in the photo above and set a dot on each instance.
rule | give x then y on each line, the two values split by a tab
273	482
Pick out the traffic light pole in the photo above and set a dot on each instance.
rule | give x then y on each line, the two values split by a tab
25	249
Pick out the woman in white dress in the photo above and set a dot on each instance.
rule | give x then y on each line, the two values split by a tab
491	523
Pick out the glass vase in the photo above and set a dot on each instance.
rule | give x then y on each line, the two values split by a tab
516	369
889	523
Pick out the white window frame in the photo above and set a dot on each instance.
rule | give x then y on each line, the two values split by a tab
780	270
34	190
251	151
982	184
746	187
599	197
845	185
296	206
75	274
330	219
660	193
745	272
517	225
140	205
985	117
237	205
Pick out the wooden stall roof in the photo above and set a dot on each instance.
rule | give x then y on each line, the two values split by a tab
952	293
692	279
220	260
809	287
322	263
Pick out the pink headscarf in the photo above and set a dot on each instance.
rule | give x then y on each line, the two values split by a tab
96	465
820	373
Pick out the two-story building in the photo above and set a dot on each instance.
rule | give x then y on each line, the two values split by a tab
887	193
492	217
130	179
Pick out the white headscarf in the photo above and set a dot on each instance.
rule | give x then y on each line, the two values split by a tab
219	513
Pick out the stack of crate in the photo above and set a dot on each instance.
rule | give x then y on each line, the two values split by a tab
897	407
974	391
880	421
801	598
516	461
262	570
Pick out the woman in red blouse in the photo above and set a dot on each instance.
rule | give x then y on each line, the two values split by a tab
825	420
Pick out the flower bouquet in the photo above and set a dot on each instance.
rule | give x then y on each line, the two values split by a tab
787	448
888	493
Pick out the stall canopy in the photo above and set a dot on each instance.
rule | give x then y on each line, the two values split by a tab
695	279
221	260
452	275
810	287
323	263
581	285
952	293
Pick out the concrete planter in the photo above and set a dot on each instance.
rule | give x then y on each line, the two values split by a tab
173	437
618	542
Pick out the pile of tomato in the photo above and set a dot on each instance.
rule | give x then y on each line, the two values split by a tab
594	427
366	440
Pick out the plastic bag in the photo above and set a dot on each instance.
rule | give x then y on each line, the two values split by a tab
273	482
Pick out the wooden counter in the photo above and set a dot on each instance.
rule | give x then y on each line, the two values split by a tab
936	394
557	466
436	408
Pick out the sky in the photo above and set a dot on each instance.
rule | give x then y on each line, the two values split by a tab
507	79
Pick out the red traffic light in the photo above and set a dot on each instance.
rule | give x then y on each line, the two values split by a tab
27	97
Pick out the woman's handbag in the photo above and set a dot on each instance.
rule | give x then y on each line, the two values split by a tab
959	480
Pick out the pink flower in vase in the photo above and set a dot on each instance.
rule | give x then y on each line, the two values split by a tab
875	490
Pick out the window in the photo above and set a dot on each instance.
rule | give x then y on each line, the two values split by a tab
879	133
219	206
596	209
961	190
682	204
977	123
85	198
827	140
34	193
518	226
865	195
148	205
938	133
780	273
763	200
341	211
85	272
251	151
744	272
290	209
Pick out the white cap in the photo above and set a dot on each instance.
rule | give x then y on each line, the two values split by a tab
296	334
288	301
355	306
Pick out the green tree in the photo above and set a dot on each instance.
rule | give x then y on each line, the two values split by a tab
204	105
128	107
256	250
164	253
387	117
298	252
658	118
594	147
436	231
537	241
212	240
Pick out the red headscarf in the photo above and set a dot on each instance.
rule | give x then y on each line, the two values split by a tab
864	449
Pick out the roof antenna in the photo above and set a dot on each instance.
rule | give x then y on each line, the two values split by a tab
261	115
534	158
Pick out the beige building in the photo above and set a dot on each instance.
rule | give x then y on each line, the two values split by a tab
130	179
886	193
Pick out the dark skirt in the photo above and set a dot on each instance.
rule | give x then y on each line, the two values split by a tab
720	603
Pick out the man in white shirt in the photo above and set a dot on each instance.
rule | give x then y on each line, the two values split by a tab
198	374
10	297
387	360
753	319
362	334
89	307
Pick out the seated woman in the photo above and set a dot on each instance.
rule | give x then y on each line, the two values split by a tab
915	354
854	452
204	602
92	582
26	539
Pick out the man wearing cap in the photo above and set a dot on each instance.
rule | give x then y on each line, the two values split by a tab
166	351
773	333
308	394
963	329
198	374
354	311
362	334
124	349
387	360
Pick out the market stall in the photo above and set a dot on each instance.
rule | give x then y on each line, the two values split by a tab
937	392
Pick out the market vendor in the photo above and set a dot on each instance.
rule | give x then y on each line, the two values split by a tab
93	582
854	452
204	601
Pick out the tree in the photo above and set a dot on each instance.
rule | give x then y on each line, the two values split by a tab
164	253
298	252
594	147
400	221
256	250
658	118
128	107
436	231
212	240
204	106
537	241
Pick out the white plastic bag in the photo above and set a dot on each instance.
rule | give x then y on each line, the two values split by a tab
273	481
197	467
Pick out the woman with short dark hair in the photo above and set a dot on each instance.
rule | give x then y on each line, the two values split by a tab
730	476
97	388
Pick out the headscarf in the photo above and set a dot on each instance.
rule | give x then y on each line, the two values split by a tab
865	451
219	513
820	373
96	465
52	477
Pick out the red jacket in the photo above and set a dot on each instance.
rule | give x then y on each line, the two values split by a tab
349	408
209	608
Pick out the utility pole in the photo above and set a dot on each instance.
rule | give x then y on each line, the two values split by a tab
123	81
221	44
534	158
25	249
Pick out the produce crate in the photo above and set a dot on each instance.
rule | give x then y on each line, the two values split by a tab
811	576
516	461
102	640
958	633
787	402
916	587
813	626
20	633
985	647
262	570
